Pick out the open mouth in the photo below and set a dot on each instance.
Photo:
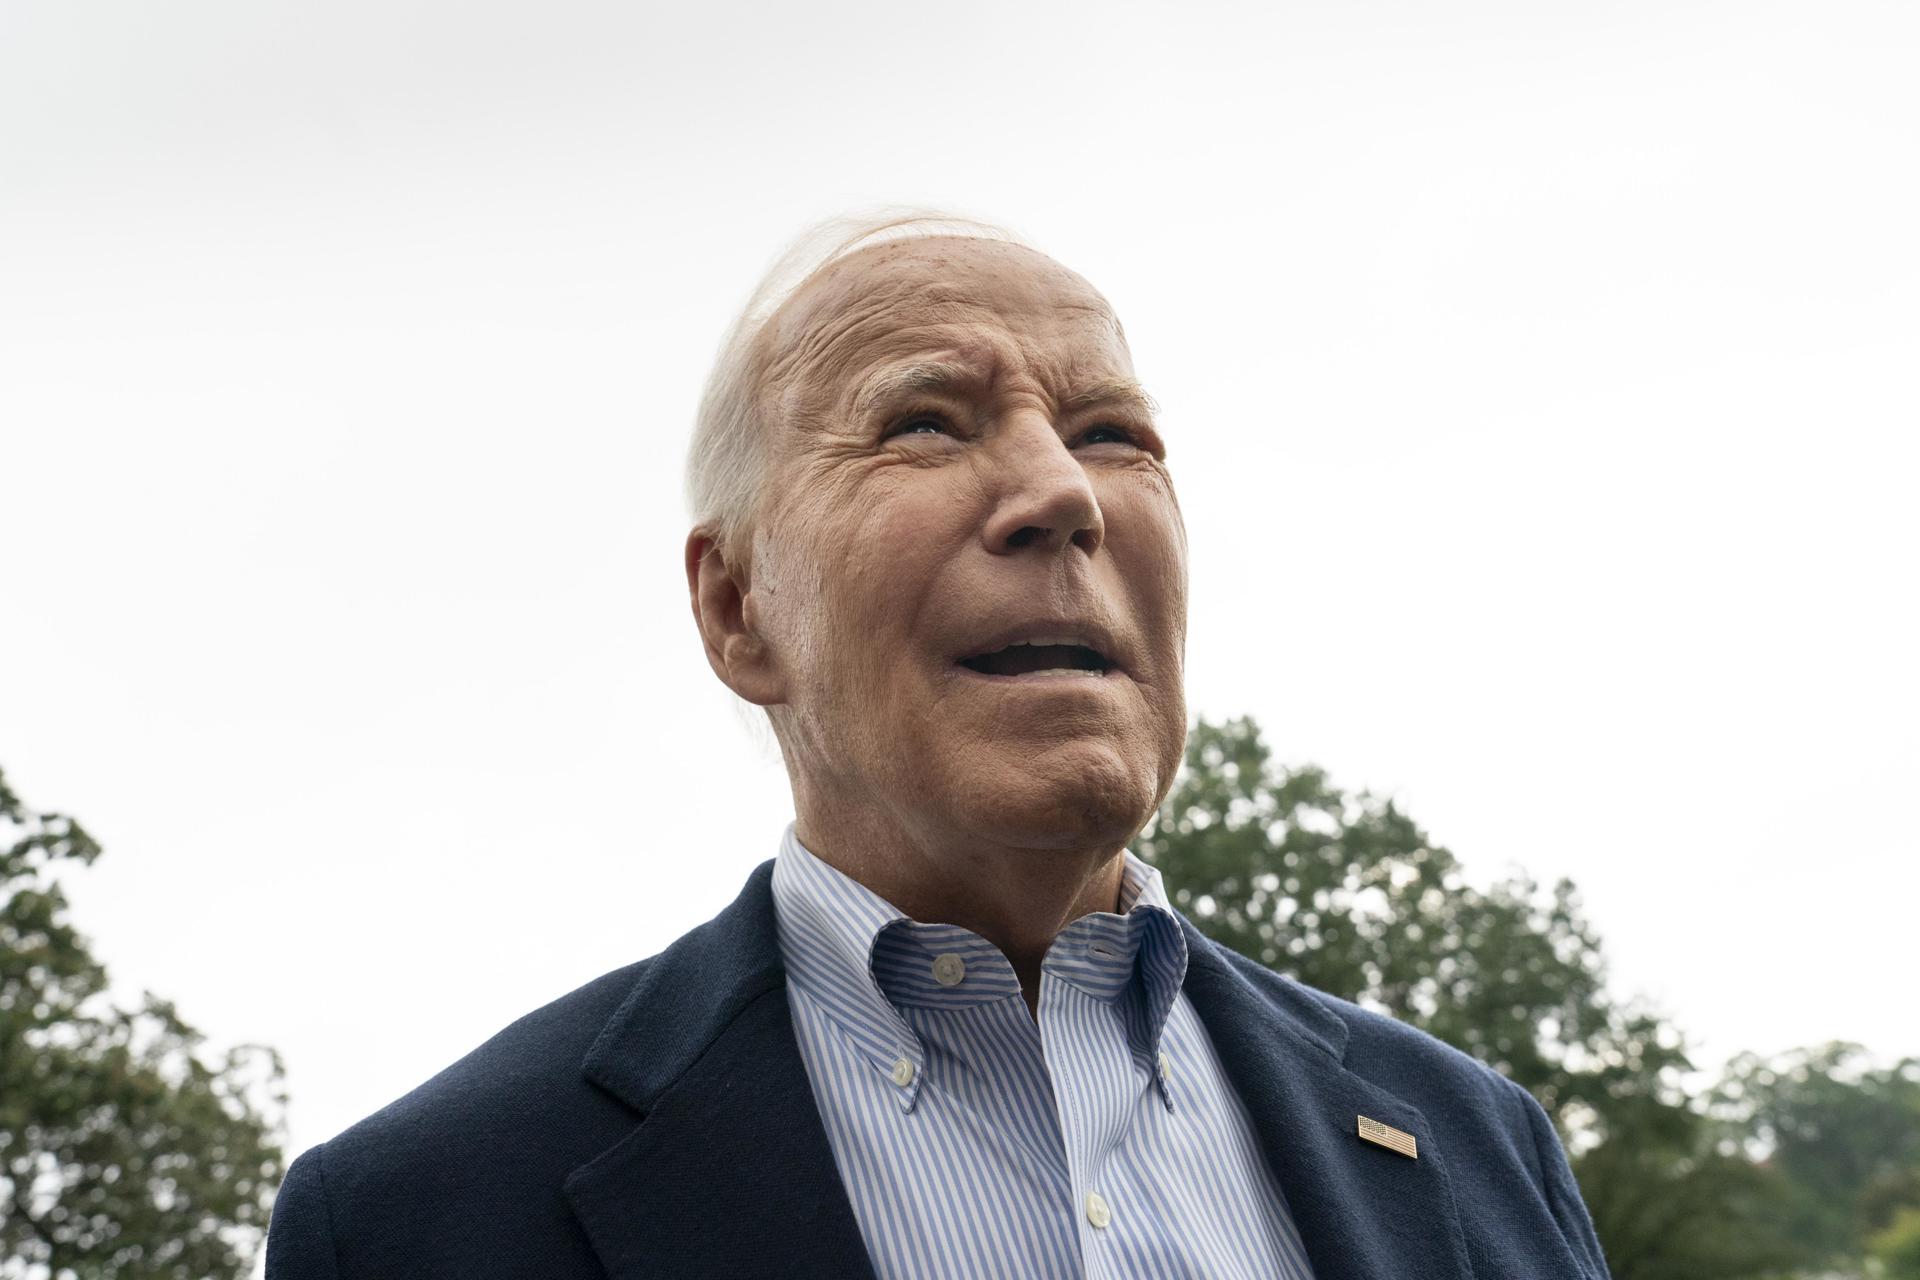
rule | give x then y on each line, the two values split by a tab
1039	660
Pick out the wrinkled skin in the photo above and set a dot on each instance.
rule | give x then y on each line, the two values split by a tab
908	520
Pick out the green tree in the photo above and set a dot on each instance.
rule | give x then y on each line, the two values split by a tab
123	1152
1685	1203
1897	1249
1844	1134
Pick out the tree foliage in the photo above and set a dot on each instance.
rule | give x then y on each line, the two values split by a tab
1844	1134
1685	1203
1897	1249
123	1152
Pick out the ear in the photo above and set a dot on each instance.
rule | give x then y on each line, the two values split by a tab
722	609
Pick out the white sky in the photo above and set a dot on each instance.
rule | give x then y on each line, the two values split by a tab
1539	380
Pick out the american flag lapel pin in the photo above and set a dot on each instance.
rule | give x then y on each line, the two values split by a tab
1385	1135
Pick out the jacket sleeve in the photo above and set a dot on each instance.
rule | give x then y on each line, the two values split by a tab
1562	1192
300	1232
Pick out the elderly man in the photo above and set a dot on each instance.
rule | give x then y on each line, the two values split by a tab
954	1029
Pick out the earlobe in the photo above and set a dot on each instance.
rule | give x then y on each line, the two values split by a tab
724	611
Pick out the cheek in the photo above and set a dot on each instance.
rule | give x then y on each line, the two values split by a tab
786	597
1149	546
878	552
910	521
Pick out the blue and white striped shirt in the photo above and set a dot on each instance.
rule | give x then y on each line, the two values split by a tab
1103	1140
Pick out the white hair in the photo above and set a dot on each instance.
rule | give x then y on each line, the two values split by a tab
726	461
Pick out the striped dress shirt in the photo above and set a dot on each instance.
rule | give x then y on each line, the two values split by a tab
1102	1140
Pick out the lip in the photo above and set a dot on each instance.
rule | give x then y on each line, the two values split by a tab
1090	634
1037	681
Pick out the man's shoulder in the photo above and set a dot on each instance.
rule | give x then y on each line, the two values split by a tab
1507	1168
532	1061
522	1083
480	1148
476	1158
1412	1063
534	1070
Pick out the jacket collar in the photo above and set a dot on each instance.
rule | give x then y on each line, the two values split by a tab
687	996
1362	1211
729	1172
730	1165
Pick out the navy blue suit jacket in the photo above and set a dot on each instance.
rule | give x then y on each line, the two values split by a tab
658	1122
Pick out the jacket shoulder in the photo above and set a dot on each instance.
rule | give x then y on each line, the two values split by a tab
1394	1054
1502	1145
466	1174
528	1070
471	1159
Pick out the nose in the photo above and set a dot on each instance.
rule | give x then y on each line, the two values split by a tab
1046	500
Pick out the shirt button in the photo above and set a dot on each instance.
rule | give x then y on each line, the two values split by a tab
1166	1067
1097	1211
903	1073
949	970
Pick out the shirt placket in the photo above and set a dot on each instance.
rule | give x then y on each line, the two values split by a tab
1096	1089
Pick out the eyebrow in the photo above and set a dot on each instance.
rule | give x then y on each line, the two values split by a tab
945	376
1117	391
908	379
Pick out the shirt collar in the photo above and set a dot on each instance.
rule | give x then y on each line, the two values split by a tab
864	961
828	923
1135	958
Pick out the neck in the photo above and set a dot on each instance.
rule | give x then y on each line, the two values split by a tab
1018	896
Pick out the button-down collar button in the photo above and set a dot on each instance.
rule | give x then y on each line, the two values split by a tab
1166	1067
1097	1211
903	1073
949	969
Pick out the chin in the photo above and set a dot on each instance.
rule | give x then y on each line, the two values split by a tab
1065	800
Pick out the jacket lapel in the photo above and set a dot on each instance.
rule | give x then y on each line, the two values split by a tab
730	1172
1363	1212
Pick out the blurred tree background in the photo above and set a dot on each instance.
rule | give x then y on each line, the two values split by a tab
1806	1164
123	1152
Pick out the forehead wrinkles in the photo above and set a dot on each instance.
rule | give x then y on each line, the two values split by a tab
831	343
836	366
880	301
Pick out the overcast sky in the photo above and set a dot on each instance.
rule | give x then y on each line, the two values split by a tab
1539	381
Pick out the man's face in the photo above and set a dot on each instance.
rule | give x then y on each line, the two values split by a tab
960	461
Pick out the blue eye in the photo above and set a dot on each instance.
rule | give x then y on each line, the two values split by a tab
1118	433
